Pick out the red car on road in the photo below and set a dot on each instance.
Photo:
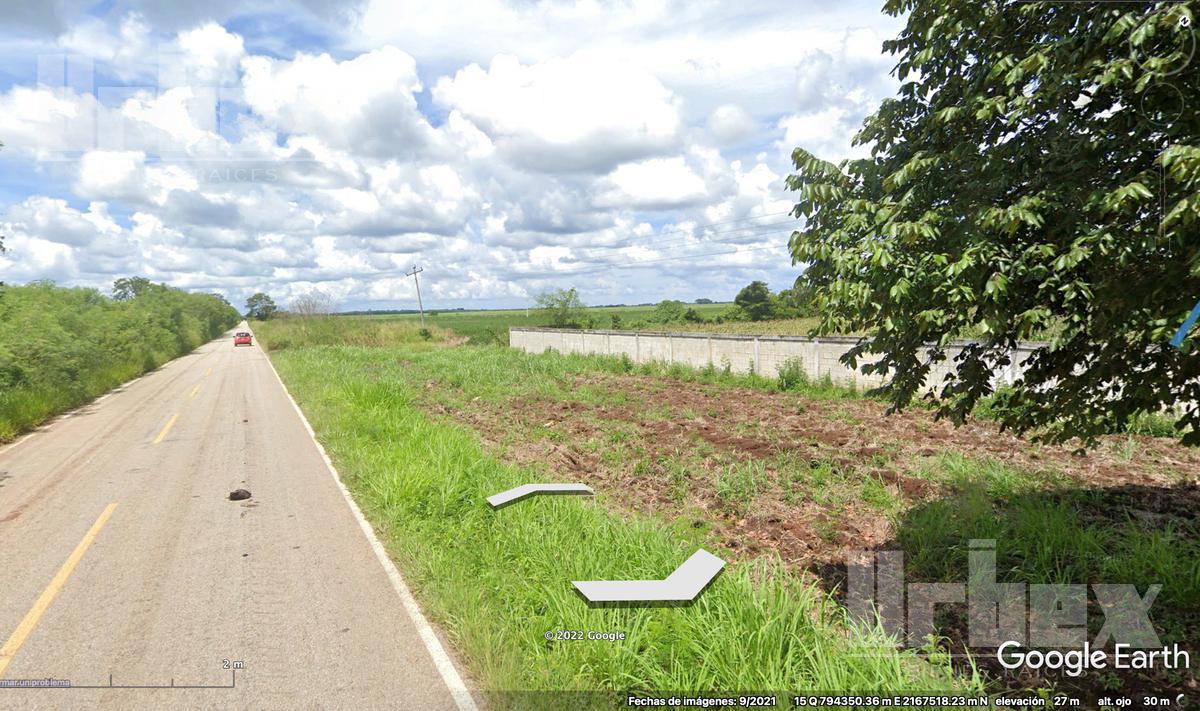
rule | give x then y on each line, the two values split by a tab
241	338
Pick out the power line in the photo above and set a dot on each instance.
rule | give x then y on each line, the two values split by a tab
745	219
749	230
700	229
695	232
753	228
641	263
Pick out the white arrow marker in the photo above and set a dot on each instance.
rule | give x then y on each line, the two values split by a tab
512	496
681	586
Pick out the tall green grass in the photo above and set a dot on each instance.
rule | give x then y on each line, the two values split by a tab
1146	424
497	372
1048	530
498	581
281	333
491	327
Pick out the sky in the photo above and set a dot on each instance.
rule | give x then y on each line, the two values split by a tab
635	150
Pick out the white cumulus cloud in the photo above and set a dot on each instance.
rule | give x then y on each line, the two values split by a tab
585	112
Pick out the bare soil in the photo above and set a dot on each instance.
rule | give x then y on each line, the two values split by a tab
811	480
662	446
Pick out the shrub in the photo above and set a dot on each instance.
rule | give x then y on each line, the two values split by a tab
669	311
792	375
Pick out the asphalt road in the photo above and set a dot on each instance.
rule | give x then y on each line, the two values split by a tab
122	558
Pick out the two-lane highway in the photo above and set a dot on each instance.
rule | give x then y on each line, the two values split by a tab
121	556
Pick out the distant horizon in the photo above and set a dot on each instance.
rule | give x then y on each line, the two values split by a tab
404	312
340	308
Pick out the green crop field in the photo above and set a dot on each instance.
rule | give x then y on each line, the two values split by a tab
484	327
782	479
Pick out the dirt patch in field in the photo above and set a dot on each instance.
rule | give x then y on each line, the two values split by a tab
813	481
810	479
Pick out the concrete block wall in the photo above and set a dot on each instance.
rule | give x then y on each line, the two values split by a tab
762	354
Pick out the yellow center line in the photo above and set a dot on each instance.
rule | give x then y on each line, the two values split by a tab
195	390
208	372
19	635
166	428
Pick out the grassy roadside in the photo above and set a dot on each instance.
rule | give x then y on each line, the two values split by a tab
498	581
62	347
283	333
819	461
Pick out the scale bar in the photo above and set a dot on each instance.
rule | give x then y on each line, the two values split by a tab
110	685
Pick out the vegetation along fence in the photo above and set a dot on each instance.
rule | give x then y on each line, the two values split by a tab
763	355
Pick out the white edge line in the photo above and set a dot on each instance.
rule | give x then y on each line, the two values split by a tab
445	666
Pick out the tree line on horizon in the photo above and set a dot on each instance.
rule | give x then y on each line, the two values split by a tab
563	308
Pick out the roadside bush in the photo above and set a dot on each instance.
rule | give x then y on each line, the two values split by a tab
60	347
671	311
733	313
756	301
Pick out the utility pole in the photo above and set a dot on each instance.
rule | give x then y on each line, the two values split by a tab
415	271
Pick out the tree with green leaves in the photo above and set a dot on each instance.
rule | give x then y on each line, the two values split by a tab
260	307
796	302
668	311
561	307
1036	178
756	301
127	288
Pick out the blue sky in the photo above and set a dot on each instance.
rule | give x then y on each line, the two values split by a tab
635	150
